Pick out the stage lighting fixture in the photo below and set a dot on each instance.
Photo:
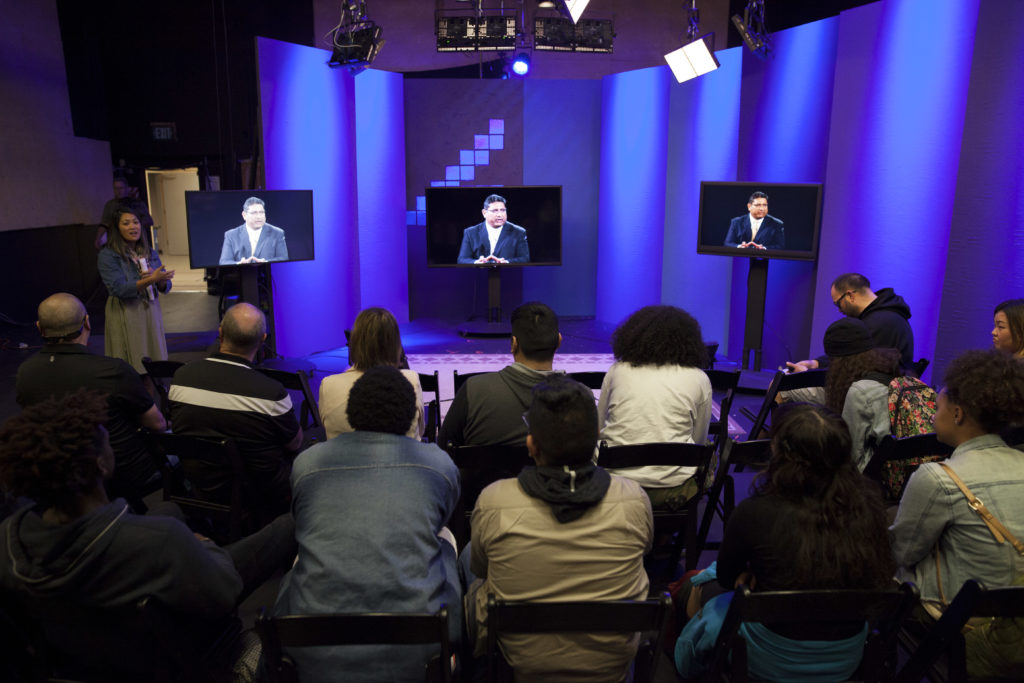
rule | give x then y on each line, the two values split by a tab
546	4
572	8
752	29
457	31
356	39
692	60
521	64
560	35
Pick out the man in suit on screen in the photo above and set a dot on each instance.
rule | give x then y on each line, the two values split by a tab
256	241
756	229
495	240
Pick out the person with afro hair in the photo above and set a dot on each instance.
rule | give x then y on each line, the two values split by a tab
370	507
983	394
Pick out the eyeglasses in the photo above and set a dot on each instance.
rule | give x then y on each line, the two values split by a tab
838	302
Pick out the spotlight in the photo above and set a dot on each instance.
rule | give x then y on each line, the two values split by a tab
751	28
356	39
521	64
546	4
692	60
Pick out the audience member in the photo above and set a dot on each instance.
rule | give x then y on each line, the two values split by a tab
77	545
133	275
488	408
224	397
884	312
1008	327
369	506
938	539
656	391
812	523
564	529
374	341
857	384
65	364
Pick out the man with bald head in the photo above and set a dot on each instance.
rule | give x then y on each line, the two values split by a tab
224	397
65	365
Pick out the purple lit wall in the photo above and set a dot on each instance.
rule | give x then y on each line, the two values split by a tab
897	119
703	127
309	125
985	264
380	165
634	129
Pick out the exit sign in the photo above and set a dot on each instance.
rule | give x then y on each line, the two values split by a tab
164	131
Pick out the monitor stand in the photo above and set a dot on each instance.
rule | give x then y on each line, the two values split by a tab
495	326
753	331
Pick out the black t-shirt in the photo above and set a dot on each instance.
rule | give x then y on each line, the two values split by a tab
60	369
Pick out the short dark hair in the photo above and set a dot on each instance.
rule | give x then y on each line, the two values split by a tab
660	335
1013	309
854	281
116	242
49	452
989	386
535	327
245	338
563	421
252	200
382	400
491	198
757	195
375	340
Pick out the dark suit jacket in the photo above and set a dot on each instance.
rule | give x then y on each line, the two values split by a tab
271	246
770	236
511	244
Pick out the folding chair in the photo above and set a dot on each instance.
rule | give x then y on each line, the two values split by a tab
907	454
458	380
681	522
432	410
316	630
882	610
783	382
309	418
722	497
723	381
946	636
160	371
478	467
616	616
591	380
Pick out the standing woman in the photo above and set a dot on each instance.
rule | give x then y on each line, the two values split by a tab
1008	327
133	275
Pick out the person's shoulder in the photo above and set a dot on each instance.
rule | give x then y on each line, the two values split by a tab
274	229
624	489
503	493
516	228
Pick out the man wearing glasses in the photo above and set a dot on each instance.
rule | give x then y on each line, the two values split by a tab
884	313
496	240
756	229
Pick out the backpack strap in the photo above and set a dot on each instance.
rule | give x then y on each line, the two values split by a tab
994	525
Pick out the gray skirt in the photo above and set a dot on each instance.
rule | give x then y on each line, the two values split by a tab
134	328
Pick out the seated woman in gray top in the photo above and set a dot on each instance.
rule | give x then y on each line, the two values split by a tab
984	392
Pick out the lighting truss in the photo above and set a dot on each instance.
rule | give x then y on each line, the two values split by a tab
561	35
481	30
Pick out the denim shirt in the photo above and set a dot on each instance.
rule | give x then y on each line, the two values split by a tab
367	509
120	274
933	510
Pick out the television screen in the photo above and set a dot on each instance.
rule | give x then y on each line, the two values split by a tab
789	215
529	218
222	226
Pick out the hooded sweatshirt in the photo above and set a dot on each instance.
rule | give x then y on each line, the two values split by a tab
111	557
887	318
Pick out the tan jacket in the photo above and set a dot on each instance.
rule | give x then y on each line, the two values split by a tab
521	552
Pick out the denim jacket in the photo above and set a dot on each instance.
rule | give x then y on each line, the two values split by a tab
120	274
367	509
933	510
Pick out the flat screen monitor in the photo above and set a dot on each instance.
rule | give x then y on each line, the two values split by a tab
456	225
789	230
219	226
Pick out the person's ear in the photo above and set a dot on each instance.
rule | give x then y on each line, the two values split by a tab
85	324
264	337
559	344
531	447
515	345
40	328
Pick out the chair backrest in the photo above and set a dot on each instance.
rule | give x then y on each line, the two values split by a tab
721	497
918	368
458	380
882	610
216	475
614	616
911	452
478	467
946	635
160	371
784	381
353	629
724	381
682	522
590	379
429	383
298	380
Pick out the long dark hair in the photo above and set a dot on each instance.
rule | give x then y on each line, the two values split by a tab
118	243
840	538
845	370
